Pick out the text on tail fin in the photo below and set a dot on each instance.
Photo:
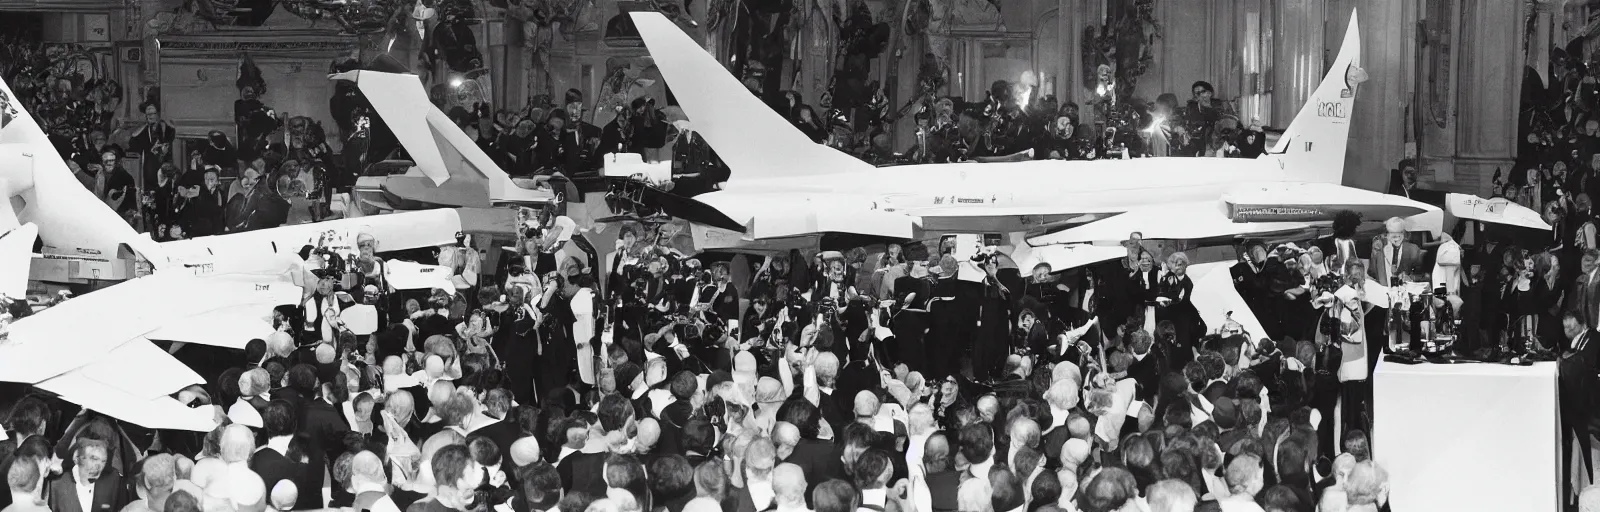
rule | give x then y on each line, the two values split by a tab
1313	147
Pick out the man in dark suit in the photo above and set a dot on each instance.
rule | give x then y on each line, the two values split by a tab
1584	298
273	462
497	404
816	457
152	141
1403	182
1577	379
323	425
88	486
580	140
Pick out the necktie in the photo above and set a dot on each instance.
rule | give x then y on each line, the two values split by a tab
1394	264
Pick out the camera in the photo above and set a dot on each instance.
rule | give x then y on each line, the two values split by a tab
984	255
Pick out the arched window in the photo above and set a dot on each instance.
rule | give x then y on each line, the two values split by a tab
620	31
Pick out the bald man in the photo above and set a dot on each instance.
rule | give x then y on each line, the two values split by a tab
368	483
940	474
789	487
760	458
240	487
284	495
647	434
784	437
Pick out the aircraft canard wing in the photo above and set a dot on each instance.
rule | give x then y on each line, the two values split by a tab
781	215
1180	221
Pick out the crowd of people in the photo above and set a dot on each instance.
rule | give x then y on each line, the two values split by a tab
833	382
912	377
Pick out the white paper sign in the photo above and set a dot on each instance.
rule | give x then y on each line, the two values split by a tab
406	275
361	319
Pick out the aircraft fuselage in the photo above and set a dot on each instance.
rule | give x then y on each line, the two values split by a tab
1009	196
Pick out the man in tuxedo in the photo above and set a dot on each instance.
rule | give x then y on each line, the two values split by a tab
1397	258
1576	375
1393	265
88	487
497	404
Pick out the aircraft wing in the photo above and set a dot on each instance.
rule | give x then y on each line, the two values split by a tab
251	249
139	368
126	400
227	328
780	215
1064	257
1217	300
70	335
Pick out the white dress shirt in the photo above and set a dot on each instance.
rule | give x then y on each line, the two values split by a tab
85	489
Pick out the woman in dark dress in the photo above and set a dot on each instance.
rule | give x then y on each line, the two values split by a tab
517	343
1174	301
557	353
910	323
1547	294
1512	289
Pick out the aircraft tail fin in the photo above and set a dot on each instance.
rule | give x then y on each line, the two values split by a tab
753	140
1312	149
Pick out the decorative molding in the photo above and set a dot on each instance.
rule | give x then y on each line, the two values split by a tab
73	6
277	41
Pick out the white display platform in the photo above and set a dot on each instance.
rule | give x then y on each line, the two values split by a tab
1458	437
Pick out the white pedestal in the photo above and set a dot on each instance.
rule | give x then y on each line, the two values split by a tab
1468	436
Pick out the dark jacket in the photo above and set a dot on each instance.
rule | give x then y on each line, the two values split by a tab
109	494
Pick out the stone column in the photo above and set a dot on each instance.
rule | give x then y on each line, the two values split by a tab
1539	43
1298	59
1377	129
1070	22
1490	82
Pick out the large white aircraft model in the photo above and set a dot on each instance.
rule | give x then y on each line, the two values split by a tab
783	185
95	350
